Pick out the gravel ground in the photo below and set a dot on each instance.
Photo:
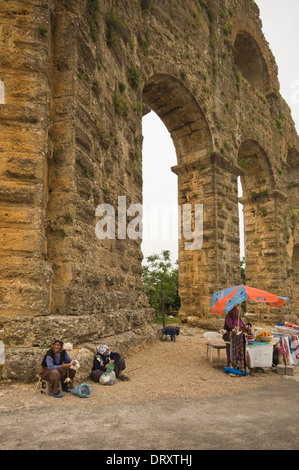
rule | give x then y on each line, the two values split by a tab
169	404
161	370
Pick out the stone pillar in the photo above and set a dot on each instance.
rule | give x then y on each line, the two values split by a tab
97	282
212	182
265	246
61	179
24	273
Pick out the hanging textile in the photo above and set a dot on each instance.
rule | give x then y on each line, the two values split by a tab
288	356
289	346
293	345
238	351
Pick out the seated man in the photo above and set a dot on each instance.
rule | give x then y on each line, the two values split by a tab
101	361
56	366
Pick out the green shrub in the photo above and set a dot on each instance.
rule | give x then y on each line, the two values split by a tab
114	27
42	30
134	77
119	104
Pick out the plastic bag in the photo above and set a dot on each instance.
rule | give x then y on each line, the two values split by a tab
82	390
108	378
230	370
110	367
76	365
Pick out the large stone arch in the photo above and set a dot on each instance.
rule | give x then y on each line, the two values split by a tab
181	114
188	127
78	77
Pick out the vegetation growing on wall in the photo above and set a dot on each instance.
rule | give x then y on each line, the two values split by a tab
120	105
93	10
114	27
134	77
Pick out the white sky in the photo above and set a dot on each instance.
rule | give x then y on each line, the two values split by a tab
280	28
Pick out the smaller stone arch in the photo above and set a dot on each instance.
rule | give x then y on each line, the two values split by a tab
181	114
179	110
292	163
293	168
250	61
258	175
294	273
260	213
293	212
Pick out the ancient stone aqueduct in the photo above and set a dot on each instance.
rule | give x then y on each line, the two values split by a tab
76	77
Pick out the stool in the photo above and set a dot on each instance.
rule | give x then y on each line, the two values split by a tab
45	385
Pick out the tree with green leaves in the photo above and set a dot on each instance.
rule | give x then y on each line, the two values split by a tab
160	283
242	266
243	281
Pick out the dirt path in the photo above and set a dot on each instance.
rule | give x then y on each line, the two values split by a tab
172	399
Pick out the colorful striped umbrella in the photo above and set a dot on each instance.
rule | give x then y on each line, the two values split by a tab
224	300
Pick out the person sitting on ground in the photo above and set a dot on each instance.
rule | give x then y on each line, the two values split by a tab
56	366
103	358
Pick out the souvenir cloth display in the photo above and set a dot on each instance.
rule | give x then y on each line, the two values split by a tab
238	350
289	349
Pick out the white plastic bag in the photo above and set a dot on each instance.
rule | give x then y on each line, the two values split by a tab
108	378
76	365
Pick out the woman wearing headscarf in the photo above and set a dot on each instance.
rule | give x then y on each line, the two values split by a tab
234	327
56	366
234	320
101	361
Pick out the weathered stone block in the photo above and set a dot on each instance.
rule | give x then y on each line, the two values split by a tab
73	329
19	297
19	241
24	168
20	216
281	369
17	194
290	370
22	364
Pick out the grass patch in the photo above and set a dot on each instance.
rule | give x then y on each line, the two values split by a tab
168	320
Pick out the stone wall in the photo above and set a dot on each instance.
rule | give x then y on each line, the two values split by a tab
76	79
